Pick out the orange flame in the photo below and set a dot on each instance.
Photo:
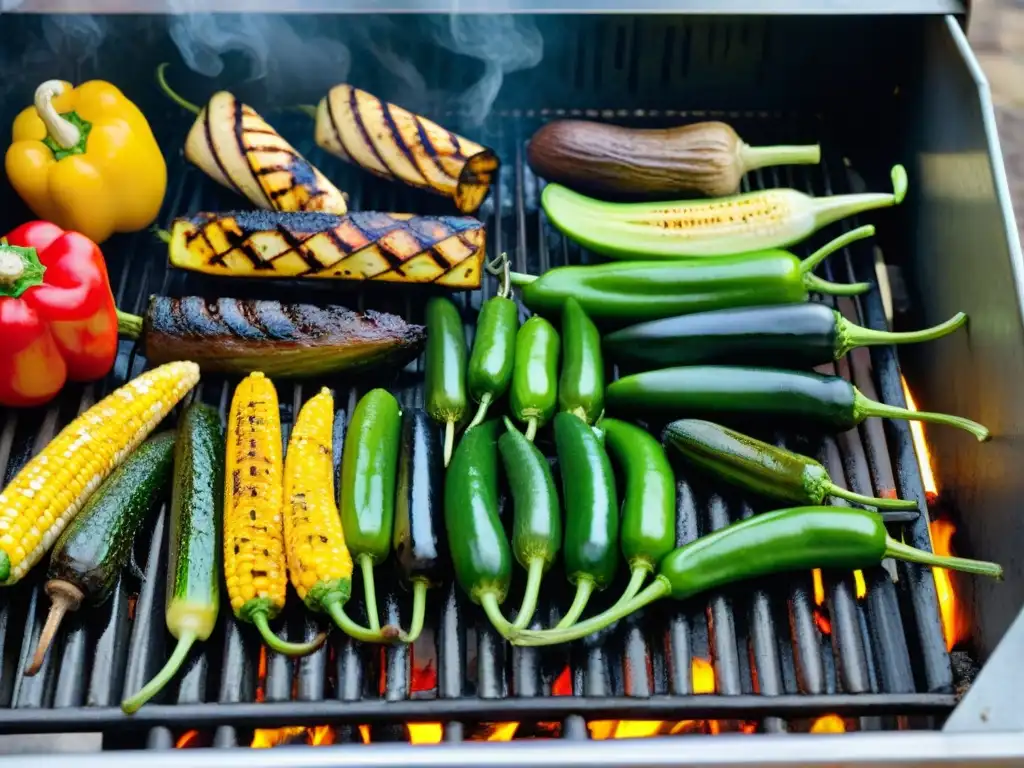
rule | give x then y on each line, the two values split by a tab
955	624
829	724
187	739
924	455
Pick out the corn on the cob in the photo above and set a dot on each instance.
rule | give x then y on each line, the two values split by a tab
319	563
392	247
393	143
254	561
50	490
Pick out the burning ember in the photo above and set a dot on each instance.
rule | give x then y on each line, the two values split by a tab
829	724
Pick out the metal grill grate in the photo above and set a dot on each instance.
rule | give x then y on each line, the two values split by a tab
882	660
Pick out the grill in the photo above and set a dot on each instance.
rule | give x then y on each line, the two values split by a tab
831	651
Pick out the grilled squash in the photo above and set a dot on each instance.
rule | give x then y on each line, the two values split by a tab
393	143
393	247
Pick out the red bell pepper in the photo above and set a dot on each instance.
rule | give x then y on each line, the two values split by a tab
57	314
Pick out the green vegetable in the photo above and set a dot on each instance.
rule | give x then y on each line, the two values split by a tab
535	374
445	376
366	486
193	586
537	520
760	467
91	552
623	293
788	396
494	347
581	385
796	539
591	512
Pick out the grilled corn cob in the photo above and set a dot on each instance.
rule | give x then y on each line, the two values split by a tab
50	490
772	218
319	563
393	143
392	247
254	560
238	149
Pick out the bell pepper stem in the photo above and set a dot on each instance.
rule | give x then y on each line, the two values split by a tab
815	283
637	577
419	610
181	102
850	336
753	158
658	589
584	589
811	262
481	411
333	605
521	278
531	429
449	441
535	573
284	647
869	501
64	597
835	207
864	407
132	704
62	131
489	602
129	325
901	551
369	592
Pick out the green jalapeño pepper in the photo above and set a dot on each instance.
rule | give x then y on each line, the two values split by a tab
445	376
535	374
760	467
581	385
477	541
721	390
620	293
591	512
649	503
536	520
797	539
494	347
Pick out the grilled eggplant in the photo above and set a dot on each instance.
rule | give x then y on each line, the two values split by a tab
393	143
282	340
393	247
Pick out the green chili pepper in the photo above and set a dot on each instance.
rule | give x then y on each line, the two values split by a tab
535	374
620	293
537	519
477	541
761	467
795	539
722	390
445	376
591	512
490	364
649	502
366	486
581	385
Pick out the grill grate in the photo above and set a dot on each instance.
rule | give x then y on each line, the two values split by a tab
883	659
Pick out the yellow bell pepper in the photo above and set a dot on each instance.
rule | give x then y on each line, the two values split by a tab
85	158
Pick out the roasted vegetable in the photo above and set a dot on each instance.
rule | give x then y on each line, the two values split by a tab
383	247
535	374
193	591
52	487
445	375
92	550
494	348
581	383
620	293
753	221
790	396
702	158
255	569
396	144
790	335
802	538
281	340
238	149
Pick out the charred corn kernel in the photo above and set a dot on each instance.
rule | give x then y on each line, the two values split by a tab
78	459
254	559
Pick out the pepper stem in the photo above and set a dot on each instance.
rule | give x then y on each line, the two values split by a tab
811	262
864	407
334	607
828	209
129	325
131	705
489	602
64	597
869	501
20	269
584	589
369	591
521	278
419	610
658	589
902	551
535	573
449	441
62	131
284	647
753	158
815	283
481	411
531	428
181	102
849	335
637	576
